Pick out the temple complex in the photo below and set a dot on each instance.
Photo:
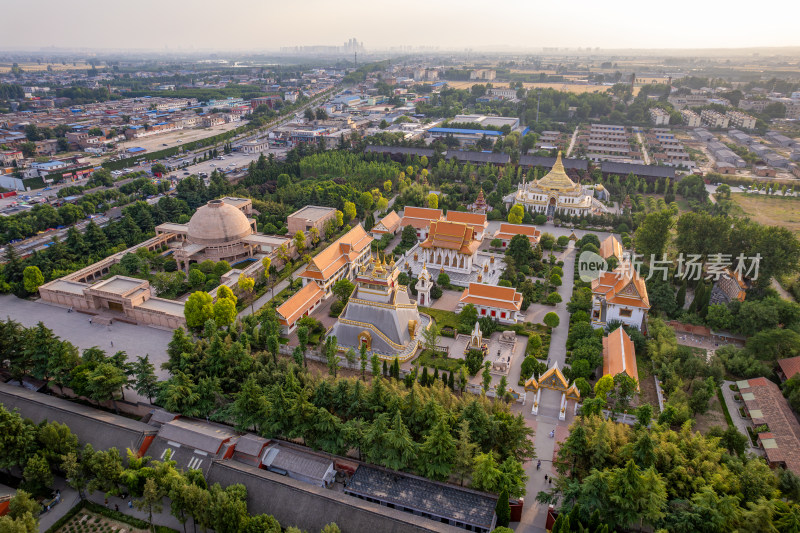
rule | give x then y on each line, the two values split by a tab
380	314
556	194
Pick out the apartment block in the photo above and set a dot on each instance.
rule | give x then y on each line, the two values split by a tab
690	118
741	120
712	119
658	116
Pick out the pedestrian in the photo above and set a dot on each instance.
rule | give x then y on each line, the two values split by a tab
550	481
545	477
112	344
130	504
90	321
106	502
116	507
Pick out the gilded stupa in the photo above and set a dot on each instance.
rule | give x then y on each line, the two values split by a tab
557	193
380	313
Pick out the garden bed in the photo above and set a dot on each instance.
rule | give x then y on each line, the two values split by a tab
433	359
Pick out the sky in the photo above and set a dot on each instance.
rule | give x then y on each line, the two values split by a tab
263	25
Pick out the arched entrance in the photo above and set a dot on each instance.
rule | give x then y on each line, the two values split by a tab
551	207
555	380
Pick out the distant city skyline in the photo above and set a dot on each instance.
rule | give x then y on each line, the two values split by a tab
446	24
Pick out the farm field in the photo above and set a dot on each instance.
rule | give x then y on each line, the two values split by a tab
771	210
576	89
36	67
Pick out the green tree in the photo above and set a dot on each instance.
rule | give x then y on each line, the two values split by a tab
342	289
145	381
151	500
515	214
503	510
37	475
653	234
199	308
433	201
551	319
32	279
350	210
437	452
224	312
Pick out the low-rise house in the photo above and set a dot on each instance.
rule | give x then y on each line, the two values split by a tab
388	224
302	465
192	444
508	231
503	304
299	305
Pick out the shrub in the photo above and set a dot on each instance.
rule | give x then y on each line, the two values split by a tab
551	319
336	308
553	298
474	360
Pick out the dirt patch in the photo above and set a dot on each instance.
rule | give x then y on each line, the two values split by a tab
713	417
771	210
647	384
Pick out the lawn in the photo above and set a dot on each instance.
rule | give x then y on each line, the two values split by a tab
442	318
647	385
771	210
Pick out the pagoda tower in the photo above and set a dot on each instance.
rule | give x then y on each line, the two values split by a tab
480	204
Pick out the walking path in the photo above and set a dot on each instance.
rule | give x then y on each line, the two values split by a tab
644	147
266	297
534	514
733	408
572	141
69	499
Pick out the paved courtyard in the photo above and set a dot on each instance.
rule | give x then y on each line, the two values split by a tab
75	327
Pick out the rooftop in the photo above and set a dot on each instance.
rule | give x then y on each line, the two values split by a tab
313	213
619	355
437	499
766	405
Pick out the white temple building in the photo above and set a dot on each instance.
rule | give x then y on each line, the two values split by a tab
555	194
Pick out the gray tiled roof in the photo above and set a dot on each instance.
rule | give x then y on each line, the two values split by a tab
251	444
100	429
650	171
439	499
547	162
399	150
204	437
479	157
295	461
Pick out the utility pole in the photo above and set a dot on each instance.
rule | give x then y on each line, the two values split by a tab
538	97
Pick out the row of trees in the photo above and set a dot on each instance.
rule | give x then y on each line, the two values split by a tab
51	449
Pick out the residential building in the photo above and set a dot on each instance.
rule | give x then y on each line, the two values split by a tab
713	119
483	74
298	464
788	367
757	106
741	120
193	445
254	147
619	355
620	295
658	116
301	304
508	231
503	304
505	93
690	118
338	261
310	216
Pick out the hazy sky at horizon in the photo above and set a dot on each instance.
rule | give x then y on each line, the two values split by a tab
447	24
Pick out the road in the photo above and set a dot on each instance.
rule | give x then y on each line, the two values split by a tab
572	141
643	146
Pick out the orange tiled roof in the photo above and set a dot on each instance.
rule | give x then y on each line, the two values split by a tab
452	236
619	355
296	306
507	231
611	247
790	366
476	220
492	296
622	287
390	222
419	217
344	250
